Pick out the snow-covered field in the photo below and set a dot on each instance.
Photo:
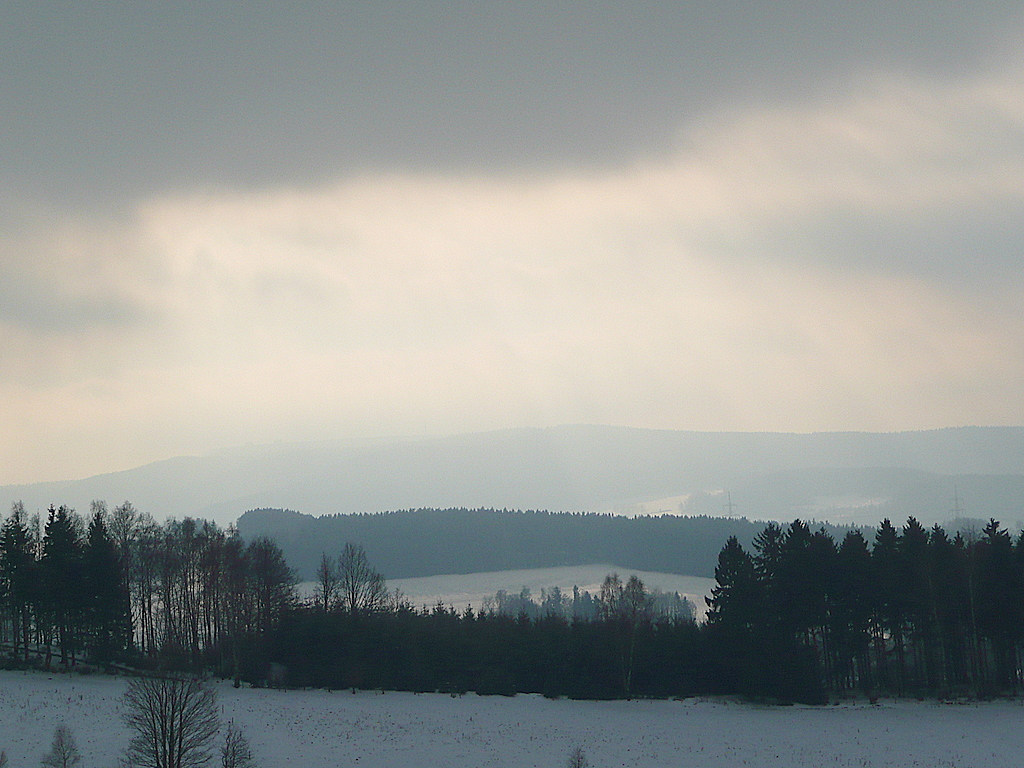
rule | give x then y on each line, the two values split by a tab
460	590
318	729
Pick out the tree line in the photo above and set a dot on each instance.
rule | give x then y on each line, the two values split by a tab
119	586
581	605
362	636
797	618
419	542
350	583
913	612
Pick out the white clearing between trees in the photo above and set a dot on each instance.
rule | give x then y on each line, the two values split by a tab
320	729
472	589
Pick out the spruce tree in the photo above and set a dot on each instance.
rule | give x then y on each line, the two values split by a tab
997	606
915	600
107	615
854	599
889	625
796	584
768	564
19	573
62	578
733	611
949	583
734	600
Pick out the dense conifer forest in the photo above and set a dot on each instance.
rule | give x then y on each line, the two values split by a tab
914	612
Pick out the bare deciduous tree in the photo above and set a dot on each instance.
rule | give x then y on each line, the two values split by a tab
63	752
3	759
577	759
326	582
636	606
271	582
174	720
362	588
610	600
629	605
236	752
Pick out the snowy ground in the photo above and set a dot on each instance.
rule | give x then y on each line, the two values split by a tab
317	729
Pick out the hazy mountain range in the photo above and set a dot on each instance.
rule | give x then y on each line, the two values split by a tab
840	477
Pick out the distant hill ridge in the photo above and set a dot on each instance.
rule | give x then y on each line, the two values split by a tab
843	477
428	542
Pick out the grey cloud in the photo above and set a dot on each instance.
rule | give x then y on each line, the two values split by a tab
64	277
963	247
958	245
36	308
97	105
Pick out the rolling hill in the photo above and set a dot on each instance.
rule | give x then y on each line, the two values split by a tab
841	477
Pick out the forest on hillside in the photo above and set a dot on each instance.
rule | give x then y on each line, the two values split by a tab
427	542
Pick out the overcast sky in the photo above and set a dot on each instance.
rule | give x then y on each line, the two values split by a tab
229	223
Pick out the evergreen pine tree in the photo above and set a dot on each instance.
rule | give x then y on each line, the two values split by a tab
733	611
768	564
997	606
62	578
796	584
577	759
915	600
734	600
889	625
854	598
19	573
107	615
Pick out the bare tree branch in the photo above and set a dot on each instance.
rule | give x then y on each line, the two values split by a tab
63	752
175	722
362	588
236	752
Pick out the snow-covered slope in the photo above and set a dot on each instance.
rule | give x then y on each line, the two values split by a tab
318	729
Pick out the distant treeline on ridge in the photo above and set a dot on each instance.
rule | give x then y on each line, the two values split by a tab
428	542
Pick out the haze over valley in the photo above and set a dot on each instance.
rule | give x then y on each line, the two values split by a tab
843	478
